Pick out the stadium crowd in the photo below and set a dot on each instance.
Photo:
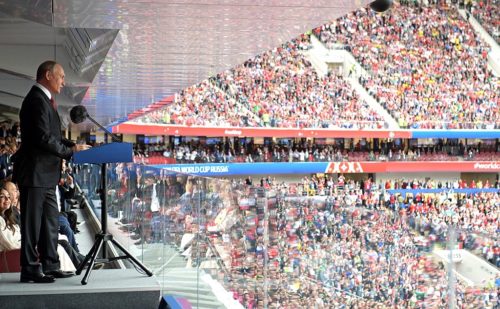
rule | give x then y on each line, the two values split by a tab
9	133
432	75
284	90
425	64
278	88
361	150
487	12
202	105
359	250
356	246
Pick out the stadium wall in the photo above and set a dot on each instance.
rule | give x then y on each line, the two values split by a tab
180	130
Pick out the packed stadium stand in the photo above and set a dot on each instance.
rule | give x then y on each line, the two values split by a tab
425	65
424	62
279	89
288	244
194	152
378	239
486	12
279	183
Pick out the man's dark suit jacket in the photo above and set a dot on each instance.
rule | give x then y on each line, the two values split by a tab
38	161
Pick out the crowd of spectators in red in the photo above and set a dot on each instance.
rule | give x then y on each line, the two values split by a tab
284	90
487	12
278	88
202	105
425	64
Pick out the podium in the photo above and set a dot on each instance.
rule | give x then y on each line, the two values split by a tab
107	153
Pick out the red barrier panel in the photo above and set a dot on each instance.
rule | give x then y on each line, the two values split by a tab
154	160
428	166
157	129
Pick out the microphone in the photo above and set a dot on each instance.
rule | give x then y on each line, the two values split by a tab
78	114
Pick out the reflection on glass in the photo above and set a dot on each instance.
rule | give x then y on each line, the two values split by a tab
225	242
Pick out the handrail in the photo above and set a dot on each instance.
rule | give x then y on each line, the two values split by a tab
218	258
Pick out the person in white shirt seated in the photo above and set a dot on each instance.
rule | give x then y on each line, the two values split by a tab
10	235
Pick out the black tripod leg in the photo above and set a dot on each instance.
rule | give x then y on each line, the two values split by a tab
129	256
87	257
99	243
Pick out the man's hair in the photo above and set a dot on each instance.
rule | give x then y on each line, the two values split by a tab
44	68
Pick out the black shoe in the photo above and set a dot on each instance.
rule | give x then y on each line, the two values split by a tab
37	278
60	273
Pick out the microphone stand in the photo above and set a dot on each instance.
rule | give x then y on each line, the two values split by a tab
113	136
103	237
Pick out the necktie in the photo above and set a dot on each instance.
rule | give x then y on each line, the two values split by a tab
53	103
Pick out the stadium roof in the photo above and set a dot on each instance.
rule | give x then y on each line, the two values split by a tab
122	55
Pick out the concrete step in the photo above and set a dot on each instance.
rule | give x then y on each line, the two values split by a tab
373	103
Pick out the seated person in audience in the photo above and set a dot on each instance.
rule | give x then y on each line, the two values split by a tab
4	164
14	199
10	235
65	189
66	230
75	256
67	218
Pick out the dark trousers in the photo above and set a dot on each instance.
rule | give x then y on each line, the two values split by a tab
39	230
75	257
65	229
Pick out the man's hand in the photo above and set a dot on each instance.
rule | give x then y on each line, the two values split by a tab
80	147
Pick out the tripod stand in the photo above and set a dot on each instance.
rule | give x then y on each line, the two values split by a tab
103	237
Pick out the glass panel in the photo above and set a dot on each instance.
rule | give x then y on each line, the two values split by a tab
224	243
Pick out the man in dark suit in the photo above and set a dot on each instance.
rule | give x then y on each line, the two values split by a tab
37	170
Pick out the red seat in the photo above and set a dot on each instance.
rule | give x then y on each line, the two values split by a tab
10	261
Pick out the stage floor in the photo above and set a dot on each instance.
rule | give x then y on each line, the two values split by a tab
106	288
